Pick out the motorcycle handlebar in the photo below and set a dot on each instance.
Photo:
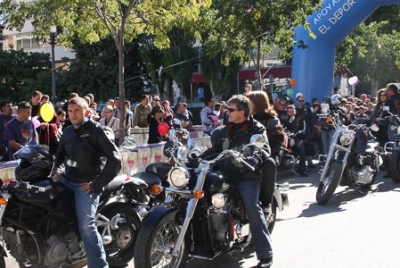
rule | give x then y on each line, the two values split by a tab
238	157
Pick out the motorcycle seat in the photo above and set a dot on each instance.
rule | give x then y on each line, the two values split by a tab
115	183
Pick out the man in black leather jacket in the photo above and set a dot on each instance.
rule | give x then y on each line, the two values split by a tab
91	161
234	136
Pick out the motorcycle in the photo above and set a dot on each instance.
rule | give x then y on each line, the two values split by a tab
353	159
202	216
287	160
392	149
38	220
177	149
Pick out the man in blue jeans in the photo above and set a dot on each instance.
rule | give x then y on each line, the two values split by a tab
233	136
87	160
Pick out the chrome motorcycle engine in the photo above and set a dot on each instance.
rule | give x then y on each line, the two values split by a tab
363	175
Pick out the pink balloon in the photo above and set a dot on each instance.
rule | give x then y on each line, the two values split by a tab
35	122
353	80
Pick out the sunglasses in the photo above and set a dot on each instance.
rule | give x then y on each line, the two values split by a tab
300	101
231	110
382	95
156	100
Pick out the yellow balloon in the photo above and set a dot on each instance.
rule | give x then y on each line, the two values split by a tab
47	112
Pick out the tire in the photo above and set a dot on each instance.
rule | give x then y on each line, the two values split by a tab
121	249
153	246
327	187
270	218
2	257
394	168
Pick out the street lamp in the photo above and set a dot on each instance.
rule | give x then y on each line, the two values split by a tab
53	36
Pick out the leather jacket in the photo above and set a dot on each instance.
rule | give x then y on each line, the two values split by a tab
89	155
223	138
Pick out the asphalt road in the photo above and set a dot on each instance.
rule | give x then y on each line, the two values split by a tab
355	229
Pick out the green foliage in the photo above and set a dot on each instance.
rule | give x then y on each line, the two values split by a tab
22	73
372	51
96	70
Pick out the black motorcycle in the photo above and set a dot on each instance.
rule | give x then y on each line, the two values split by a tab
202	216
391	150
38	220
353	160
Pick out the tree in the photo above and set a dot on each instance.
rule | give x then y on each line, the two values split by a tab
92	21
22	73
372	50
234	28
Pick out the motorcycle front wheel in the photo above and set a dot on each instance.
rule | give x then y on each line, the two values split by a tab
328	185
154	245
121	249
394	168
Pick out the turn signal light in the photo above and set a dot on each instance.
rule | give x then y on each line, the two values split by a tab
3	201
156	189
198	194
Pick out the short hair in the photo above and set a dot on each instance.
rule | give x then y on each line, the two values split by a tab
3	103
241	102
290	106
61	111
24	105
37	93
91	96
79	101
45	96
109	108
73	95
393	87
144	96
207	100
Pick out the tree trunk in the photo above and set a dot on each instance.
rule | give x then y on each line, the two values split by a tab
260	85
121	86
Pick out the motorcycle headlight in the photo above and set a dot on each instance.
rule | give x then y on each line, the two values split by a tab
345	139
218	200
178	177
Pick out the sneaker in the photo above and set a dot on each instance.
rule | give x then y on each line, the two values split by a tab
265	263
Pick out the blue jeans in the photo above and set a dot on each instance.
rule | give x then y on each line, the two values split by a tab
249	190
86	207
326	139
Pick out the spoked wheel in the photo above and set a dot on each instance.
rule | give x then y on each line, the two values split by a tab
394	168
328	185
154	246
270	218
120	249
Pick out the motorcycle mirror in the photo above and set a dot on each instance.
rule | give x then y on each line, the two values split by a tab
168	145
375	128
257	140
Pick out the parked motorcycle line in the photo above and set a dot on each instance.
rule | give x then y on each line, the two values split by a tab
38	220
353	159
201	217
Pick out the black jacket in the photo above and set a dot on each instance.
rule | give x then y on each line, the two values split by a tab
227	138
89	155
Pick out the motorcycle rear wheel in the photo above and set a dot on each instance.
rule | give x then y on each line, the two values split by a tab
154	244
120	251
394	169
327	187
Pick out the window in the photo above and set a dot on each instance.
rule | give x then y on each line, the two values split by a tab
25	40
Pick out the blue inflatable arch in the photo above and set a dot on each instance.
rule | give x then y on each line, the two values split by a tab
313	67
